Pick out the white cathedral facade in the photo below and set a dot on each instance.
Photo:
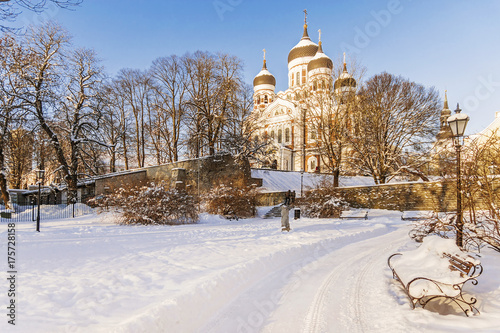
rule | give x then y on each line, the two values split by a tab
284	116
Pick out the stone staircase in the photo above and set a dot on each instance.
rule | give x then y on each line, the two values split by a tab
274	212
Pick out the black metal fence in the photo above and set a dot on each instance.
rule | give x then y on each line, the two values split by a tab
27	213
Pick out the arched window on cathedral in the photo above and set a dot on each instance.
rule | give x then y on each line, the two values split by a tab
280	134
272	135
322	84
291	84
287	135
312	134
303	75
312	164
315	85
265	98
258	99
297	82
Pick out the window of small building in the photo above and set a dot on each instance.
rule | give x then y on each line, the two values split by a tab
258	99
313	164
265	98
272	135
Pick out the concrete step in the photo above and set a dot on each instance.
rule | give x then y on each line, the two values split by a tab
274	212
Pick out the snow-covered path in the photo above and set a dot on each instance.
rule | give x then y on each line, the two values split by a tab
330	290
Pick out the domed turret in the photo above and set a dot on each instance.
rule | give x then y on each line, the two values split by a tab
320	60
263	86
264	78
304	49
345	82
301	53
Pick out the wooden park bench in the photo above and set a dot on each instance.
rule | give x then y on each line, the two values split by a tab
354	214
441	278
416	215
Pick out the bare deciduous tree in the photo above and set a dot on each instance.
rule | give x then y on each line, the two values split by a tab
78	113
393	116
212	83
135	88
170	95
13	59
330	116
10	9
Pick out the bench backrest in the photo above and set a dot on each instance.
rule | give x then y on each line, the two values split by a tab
463	266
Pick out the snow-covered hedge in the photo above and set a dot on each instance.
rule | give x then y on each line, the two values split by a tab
235	202
151	204
322	203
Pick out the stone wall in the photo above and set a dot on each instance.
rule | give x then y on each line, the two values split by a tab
109	183
207	172
270	198
436	196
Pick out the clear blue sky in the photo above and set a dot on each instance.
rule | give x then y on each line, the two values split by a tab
451	45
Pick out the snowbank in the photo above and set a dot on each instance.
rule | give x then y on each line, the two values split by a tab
276	181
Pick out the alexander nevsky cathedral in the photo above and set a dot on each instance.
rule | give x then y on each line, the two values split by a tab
284	116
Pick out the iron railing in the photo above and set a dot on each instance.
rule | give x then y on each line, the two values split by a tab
29	212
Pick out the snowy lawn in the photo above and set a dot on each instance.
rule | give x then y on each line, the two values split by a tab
327	275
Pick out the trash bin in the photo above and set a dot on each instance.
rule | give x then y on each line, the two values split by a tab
296	213
6	215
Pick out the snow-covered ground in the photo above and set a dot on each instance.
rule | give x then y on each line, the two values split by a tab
327	275
276	180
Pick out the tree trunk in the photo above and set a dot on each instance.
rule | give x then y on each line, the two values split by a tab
4	191
336	176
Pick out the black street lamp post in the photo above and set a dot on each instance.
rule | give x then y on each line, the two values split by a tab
457	123
39	176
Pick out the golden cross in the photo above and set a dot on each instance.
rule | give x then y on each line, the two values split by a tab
305	16
264	53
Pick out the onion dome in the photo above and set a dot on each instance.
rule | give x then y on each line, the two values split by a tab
305	48
264	77
345	79
320	60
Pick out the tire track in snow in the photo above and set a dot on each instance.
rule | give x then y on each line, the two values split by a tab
355	292
312	321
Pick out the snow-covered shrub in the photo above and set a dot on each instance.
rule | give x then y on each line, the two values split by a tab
233	202
322	202
152	204
438	224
